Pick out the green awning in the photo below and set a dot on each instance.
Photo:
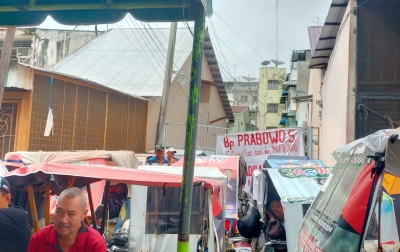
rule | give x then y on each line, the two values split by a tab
86	12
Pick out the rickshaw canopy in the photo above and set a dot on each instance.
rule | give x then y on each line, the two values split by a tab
85	12
37	174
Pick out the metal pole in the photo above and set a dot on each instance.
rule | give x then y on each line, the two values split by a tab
309	142
5	59
167	82
191	133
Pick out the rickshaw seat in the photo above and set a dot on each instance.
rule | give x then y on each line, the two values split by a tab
124	214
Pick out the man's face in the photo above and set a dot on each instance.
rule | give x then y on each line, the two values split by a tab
5	199
69	215
170	154
276	209
228	173
159	154
120	189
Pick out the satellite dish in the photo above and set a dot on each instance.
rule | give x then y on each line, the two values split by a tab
265	62
248	78
277	62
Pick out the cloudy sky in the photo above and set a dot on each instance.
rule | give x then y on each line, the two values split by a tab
244	31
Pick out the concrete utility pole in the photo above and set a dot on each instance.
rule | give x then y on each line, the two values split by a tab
167	83
5	59
185	208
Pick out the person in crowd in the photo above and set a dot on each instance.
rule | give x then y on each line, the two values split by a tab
68	233
170	156
115	202
159	158
231	189
14	224
276	209
276	230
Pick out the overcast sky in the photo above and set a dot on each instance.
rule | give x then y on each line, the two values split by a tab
255	22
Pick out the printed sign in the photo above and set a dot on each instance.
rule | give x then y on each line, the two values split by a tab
337	218
256	146
228	166
282	163
305	172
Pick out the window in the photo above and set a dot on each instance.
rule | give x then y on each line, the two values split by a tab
244	98
273	85
255	98
272	108
205	93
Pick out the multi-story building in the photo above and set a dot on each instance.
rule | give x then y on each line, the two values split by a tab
244	94
269	94
294	94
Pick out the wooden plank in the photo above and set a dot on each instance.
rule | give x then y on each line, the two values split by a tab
47	204
32	205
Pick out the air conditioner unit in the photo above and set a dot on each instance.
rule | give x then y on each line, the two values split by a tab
23	55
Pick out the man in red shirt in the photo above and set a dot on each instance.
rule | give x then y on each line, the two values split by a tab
68	233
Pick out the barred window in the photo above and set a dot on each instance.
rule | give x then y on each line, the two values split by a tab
272	108
273	85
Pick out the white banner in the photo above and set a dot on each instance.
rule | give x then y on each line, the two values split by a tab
256	146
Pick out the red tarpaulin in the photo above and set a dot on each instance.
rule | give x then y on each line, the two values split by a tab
37	174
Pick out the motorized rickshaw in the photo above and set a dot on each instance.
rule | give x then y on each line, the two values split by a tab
52	178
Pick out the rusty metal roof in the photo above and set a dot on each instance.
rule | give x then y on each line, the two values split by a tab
239	109
327	40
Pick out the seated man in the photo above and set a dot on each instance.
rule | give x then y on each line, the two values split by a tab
115	202
68	233
159	159
276	229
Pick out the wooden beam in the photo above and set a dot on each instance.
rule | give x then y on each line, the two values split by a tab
324	49
219	119
113	6
327	38
71	182
5	59
47	204
32	205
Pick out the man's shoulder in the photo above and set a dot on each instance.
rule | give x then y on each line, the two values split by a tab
95	238
43	231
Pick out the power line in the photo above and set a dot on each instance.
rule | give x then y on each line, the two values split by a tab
239	36
218	43
236	56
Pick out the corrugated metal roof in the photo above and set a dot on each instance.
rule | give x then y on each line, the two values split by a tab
327	39
131	61
239	109
299	188
313	33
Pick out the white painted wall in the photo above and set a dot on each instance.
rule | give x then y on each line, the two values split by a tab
335	92
301	114
178	103
51	46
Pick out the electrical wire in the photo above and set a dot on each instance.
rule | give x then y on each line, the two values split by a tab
239	36
218	43
235	56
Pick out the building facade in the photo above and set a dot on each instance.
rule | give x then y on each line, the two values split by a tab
269	94
355	70
242	93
